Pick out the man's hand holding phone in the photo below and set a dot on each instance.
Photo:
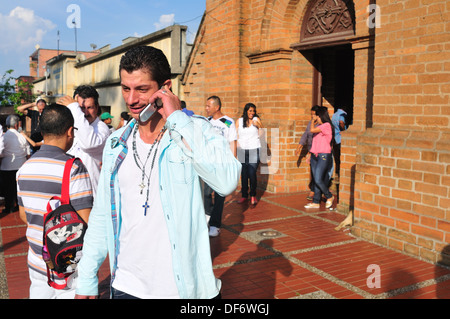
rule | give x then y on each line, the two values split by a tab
162	101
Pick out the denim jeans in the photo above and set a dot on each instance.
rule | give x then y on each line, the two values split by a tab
320	166
117	294
250	162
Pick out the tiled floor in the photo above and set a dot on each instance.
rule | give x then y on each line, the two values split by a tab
307	258
276	249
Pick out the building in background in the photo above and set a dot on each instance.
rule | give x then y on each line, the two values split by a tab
68	70
39	58
386	62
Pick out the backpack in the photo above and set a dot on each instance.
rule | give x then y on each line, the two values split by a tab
63	236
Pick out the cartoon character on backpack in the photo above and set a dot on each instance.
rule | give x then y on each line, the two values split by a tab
62	234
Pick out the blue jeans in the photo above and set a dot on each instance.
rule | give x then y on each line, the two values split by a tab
250	162
117	294
320	166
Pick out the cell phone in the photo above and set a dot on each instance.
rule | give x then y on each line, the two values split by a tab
151	108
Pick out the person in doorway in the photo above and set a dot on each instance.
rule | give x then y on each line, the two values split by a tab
38	180
225	126
91	133
306	140
248	149
339	121
148	215
321	157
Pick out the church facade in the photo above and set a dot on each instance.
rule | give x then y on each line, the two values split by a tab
386	62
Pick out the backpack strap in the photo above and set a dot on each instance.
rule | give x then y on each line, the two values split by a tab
65	195
53	284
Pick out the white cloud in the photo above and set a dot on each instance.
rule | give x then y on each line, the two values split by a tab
22	29
164	21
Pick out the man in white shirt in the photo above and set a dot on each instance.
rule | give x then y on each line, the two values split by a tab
91	133
15	152
226	127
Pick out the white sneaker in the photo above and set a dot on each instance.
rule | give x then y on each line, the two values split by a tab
214	231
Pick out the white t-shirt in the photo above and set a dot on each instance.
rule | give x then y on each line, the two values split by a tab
248	136
144	264
226	127
89	142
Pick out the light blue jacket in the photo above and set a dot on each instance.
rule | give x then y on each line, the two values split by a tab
339	115
190	149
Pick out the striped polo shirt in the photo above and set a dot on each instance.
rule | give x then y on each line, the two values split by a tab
38	180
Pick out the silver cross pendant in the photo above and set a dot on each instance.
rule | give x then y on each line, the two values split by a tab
142	186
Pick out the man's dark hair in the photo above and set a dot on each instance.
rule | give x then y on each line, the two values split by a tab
56	120
41	100
216	99
125	116
147	58
87	91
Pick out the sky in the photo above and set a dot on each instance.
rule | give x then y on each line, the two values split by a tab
24	24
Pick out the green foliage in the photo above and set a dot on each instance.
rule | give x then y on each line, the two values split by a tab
14	91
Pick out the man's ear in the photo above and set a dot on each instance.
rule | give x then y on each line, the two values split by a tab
71	132
168	83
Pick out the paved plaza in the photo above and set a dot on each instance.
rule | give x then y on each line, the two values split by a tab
275	250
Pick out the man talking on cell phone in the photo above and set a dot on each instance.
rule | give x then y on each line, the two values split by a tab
148	215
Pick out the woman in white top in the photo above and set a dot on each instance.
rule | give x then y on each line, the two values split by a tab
248	128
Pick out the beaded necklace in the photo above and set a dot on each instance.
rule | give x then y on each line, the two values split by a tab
142	168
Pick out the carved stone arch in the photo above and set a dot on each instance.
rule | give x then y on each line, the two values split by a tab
285	11
327	21
265	24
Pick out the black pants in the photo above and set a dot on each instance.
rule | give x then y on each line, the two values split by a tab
213	209
337	159
250	162
9	188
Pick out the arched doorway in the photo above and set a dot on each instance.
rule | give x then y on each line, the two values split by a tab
327	27
333	78
324	40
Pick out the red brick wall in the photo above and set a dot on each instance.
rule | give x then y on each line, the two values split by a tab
402	189
395	157
47	54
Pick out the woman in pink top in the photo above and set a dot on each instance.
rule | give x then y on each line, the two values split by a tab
321	157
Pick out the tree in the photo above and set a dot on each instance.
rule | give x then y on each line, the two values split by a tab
16	94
